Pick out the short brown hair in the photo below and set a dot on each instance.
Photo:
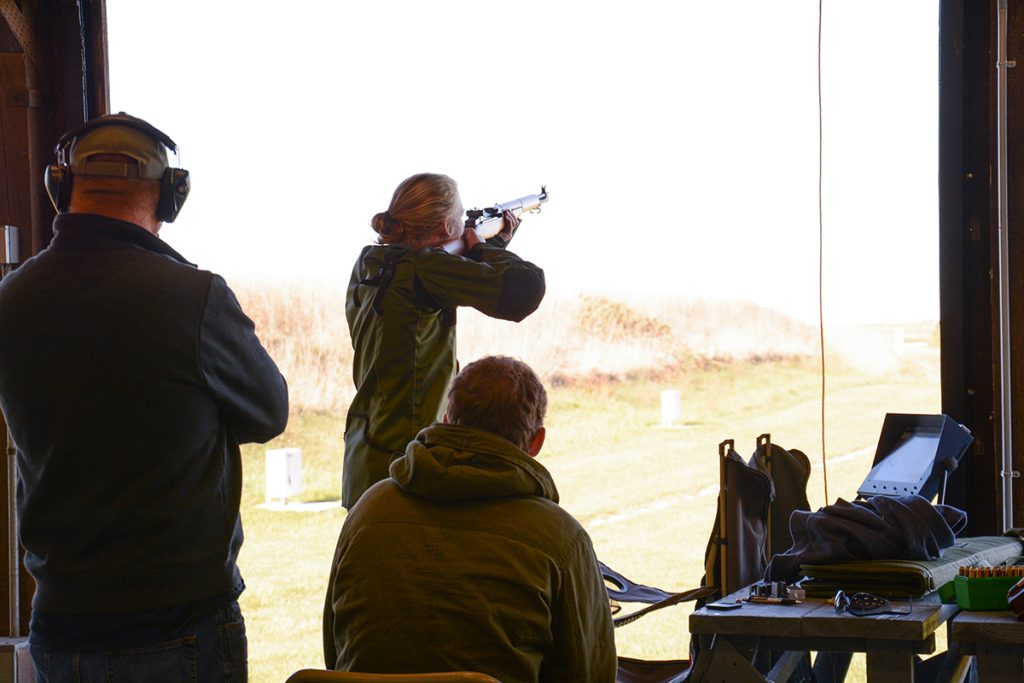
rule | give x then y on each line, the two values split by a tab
420	206
500	395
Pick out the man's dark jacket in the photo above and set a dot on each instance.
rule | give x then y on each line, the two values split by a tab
128	378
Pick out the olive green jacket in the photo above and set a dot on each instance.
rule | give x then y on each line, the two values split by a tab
463	560
401	315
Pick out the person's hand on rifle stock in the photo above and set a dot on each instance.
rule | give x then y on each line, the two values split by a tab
469	239
511	223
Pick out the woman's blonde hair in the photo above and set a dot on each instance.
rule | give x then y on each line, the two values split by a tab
420	210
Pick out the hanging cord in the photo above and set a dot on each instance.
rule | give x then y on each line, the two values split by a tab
821	265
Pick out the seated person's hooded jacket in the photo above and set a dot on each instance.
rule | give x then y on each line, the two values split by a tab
463	560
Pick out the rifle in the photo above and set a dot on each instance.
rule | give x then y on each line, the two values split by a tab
488	221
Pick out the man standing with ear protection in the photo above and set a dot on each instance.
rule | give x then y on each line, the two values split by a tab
128	379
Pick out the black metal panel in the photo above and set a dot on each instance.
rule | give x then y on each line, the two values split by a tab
968	243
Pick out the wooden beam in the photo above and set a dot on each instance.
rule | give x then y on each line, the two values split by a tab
15	209
56	80
15	206
968	251
1015	198
19	26
10	566
96	64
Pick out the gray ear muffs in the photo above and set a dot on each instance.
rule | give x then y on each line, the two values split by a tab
174	186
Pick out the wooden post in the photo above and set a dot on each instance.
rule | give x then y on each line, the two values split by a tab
15	209
723	516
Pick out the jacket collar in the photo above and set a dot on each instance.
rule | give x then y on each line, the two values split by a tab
452	462
86	230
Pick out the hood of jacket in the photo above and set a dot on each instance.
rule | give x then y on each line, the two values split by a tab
452	463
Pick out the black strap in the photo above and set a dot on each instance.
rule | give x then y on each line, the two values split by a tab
693	594
381	279
621	589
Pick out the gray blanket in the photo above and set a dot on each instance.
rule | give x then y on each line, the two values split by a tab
879	528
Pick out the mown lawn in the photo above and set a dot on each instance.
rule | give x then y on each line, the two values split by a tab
645	492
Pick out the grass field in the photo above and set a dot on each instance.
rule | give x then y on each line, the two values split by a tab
645	492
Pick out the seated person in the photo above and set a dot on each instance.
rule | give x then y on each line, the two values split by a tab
462	558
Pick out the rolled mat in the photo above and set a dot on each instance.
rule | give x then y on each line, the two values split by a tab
913	578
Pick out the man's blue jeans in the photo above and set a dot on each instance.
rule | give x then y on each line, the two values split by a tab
211	649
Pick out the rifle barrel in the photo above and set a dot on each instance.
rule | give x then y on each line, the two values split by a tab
488	223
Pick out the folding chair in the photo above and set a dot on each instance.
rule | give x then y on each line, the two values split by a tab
752	516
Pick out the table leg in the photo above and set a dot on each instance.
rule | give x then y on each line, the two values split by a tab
997	668
832	667
786	665
725	662
956	667
890	667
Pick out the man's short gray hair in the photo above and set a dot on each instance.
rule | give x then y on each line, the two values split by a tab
500	395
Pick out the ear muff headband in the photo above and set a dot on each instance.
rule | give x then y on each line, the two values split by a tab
118	119
174	185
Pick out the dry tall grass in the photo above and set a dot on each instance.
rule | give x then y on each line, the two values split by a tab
302	324
572	337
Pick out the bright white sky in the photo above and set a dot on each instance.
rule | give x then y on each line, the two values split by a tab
678	138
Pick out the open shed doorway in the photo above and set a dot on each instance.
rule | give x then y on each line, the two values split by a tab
682	242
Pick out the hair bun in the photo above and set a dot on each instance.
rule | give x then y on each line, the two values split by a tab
387	226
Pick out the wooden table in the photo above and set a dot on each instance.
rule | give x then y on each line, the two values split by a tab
890	641
994	639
